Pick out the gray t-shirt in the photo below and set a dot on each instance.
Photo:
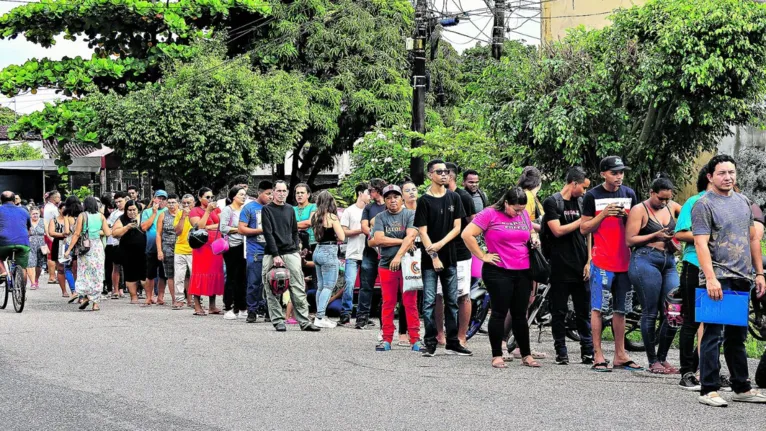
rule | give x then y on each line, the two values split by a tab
727	219
394	226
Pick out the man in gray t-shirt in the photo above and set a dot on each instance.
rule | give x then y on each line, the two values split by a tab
393	226
728	251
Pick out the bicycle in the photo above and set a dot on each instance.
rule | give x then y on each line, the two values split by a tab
15	285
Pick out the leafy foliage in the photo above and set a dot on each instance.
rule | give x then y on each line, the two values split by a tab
24	151
83	192
207	121
659	86
751	167
7	116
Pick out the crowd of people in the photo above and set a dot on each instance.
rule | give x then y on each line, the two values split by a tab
263	255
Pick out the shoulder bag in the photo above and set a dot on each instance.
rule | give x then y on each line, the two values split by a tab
221	245
83	243
539	268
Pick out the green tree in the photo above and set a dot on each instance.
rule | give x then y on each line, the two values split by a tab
24	151
659	86
7	116
207	121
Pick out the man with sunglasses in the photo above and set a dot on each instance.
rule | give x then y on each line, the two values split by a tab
438	218
605	210
370	258
154	267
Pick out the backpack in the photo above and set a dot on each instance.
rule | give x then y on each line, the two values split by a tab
546	236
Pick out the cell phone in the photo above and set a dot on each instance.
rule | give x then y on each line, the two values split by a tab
670	232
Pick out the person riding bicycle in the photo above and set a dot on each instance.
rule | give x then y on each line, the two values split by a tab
14	231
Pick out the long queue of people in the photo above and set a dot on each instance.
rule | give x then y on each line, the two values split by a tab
603	246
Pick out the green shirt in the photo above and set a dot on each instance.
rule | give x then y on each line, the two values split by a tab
684	223
303	214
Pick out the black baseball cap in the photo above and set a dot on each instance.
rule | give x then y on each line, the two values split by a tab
612	163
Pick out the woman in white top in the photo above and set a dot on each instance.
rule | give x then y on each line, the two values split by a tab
235	289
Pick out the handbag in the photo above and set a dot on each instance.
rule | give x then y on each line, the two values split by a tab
44	250
221	245
83	242
539	267
411	275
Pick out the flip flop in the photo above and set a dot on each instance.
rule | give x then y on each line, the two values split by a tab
215	311
601	367
145	305
629	366
201	314
532	363
499	365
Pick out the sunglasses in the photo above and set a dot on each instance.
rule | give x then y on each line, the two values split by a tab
441	171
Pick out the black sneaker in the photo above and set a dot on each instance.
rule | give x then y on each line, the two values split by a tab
725	383
310	328
344	320
689	382
562	360
587	359
429	351
458	350
370	324
251	317
361	322
280	327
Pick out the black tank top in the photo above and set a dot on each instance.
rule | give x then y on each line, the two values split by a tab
328	235
654	225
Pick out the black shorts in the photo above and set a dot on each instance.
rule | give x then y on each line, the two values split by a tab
114	254
154	267
134	265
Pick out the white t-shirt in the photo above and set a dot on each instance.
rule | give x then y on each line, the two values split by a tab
50	212
110	222
352	219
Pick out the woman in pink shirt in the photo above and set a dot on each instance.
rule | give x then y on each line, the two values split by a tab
507	229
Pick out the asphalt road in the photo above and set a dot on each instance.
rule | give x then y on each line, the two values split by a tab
131	368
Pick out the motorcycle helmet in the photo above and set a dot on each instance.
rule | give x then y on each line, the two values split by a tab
279	280
674	309
197	238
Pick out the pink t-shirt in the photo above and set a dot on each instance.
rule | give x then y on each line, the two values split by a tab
506	236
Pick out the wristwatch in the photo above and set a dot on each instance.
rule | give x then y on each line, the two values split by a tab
433	255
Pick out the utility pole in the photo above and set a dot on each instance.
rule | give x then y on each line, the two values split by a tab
419	87
498	30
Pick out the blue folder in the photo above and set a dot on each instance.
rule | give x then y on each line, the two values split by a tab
733	309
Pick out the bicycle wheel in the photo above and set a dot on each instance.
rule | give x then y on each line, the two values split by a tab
5	294
479	311
19	289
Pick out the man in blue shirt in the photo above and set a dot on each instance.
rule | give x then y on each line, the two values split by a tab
251	225
689	282
14	232
154	267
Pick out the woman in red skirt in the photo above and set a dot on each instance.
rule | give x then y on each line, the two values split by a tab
207	268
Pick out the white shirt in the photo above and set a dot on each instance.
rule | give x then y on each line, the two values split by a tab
110	222
352	219
50	212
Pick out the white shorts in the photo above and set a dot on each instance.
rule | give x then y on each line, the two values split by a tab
463	279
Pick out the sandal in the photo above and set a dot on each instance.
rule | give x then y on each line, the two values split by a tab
669	369
632	366
73	298
146	304
657	368
530	361
115	296
200	313
498	364
601	367
96	307
84	304
135	302
178	306
508	358
214	311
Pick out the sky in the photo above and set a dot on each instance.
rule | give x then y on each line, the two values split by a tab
522	23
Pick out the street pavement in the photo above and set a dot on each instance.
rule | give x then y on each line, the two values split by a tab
131	368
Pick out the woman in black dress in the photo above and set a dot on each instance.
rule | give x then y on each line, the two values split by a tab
132	248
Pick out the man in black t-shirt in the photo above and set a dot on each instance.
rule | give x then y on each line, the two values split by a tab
438	218
568	254
370	258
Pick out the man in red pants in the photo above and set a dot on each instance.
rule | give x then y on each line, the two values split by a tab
394	233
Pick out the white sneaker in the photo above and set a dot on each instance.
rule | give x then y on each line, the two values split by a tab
324	323
230	315
242	315
750	397
712	399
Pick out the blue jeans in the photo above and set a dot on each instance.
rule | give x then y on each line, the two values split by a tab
255	300
326	267
352	268
448	277
733	350
367	286
653	273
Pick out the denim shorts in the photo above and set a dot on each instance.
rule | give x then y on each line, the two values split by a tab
606	284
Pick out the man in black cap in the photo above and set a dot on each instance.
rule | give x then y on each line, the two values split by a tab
605	210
